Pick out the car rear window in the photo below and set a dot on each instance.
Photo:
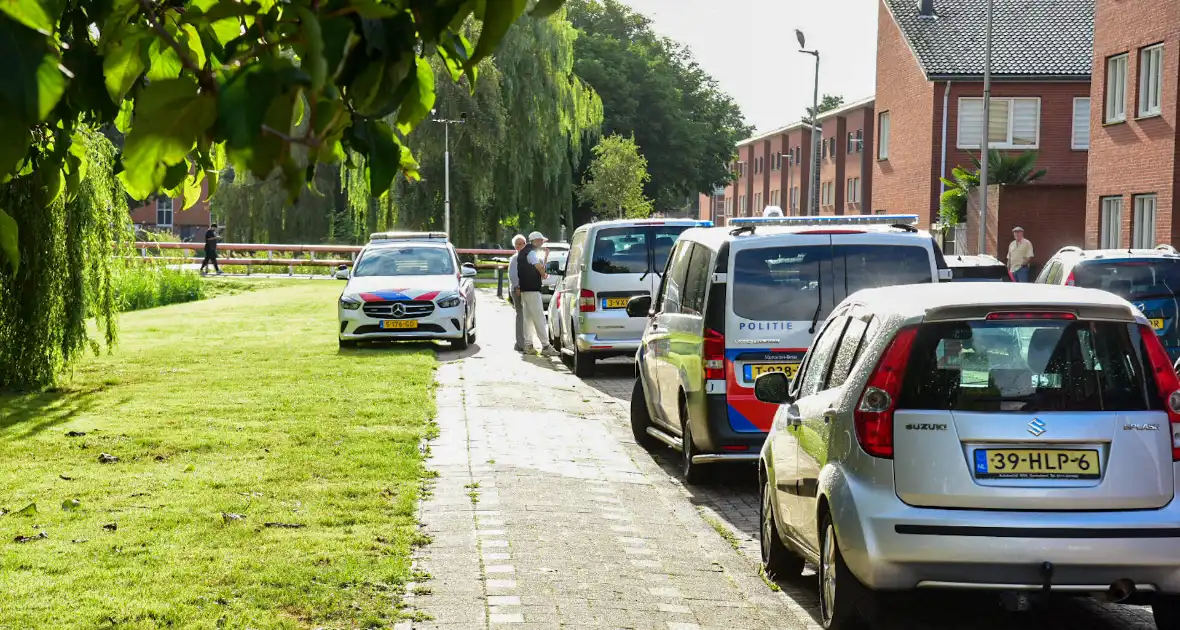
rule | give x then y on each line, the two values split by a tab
405	261
1131	279
637	249
985	273
1026	366
786	283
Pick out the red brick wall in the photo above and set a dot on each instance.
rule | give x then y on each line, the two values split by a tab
198	215
1051	216
1138	156
859	164
831	166
905	182
774	178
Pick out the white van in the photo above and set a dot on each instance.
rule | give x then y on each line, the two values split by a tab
609	263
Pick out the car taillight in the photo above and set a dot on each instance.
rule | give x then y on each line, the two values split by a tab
558	298
1008	315
714	355
586	301
1069	280
1166	381
874	413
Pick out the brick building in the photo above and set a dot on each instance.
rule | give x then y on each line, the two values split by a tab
773	169
1133	164
165	214
929	104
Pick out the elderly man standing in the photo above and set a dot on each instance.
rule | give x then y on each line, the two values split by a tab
530	268
1020	254
514	290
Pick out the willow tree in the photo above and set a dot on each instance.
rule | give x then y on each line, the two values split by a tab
194	84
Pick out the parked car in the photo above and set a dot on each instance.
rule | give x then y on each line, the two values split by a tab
407	285
553	317
609	263
981	268
738	303
554	255
1019	438
1148	278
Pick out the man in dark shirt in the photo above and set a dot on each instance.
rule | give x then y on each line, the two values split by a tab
211	239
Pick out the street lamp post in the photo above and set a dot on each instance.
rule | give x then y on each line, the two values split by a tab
813	185
447	165
985	154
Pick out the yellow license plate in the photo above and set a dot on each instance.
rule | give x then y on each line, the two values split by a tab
615	302
399	324
759	369
1029	463
1157	323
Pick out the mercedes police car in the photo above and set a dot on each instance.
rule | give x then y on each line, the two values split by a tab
407	286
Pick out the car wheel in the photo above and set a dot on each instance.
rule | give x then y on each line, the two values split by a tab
463	340
640	418
694	474
347	343
777	559
471	332
1166	610
844	603
584	364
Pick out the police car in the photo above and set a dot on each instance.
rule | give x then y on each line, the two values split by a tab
407	285
741	301
1147	278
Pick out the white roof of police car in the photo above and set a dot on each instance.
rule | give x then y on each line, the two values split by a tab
405	244
915	299
638	223
980	260
715	236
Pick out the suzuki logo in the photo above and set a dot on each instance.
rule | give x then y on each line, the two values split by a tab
1037	427
398	310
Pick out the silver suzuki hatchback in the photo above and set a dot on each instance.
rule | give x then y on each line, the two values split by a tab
1006	437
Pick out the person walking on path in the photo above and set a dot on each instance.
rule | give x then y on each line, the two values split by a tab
530	268
1020	254
514	290
211	239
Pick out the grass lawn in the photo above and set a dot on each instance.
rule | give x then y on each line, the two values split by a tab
226	415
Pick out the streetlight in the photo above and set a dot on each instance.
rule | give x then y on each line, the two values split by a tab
813	192
447	164
985	154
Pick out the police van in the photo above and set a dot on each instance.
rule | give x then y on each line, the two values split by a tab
740	301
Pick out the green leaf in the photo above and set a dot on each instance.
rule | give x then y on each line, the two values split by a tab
374	10
212	177
191	40
498	17
122	65
545	8
39	15
8	241
169	117
165	61
312	56
123	120
33	81
385	157
192	188
14	142
416	105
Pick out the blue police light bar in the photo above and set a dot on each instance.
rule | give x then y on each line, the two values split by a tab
860	219
385	237
705	223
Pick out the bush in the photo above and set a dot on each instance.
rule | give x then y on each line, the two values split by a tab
138	286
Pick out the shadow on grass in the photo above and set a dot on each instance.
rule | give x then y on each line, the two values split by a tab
26	415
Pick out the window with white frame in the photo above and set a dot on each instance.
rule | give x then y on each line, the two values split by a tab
827	194
164	211
1143	222
860	140
852	191
741	209
1116	89
1110	223
794	197
758	202
1151	79
1080	140
1013	123
883	136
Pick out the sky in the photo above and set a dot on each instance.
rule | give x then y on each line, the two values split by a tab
749	46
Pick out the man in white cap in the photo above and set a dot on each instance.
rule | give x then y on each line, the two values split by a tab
530	271
1020	254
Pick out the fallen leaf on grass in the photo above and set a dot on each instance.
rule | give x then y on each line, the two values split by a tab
107	458
110	527
27	510
230	516
75	433
70	505
65	478
287	525
80	540
25	539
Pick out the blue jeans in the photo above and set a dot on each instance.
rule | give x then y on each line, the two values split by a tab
1021	274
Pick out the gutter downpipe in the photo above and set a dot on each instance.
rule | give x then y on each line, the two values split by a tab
946	100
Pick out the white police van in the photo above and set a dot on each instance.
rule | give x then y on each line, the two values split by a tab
747	299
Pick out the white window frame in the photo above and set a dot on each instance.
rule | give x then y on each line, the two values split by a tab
883	125
1151	80
1110	222
165	208
852	190
1143	221
973	143
1079	139
1115	109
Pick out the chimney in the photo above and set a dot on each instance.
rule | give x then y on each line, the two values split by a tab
926	8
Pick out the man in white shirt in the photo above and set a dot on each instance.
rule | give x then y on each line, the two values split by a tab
530	270
1020	254
514	290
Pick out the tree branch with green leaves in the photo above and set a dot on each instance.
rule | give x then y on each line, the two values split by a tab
615	179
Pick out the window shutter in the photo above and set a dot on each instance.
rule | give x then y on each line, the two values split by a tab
1026	115
997	128
1081	124
970	122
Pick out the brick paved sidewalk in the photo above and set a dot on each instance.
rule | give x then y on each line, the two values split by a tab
547	515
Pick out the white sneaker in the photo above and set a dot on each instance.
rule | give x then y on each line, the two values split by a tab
548	351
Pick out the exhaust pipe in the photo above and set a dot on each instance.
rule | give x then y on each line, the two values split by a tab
1119	591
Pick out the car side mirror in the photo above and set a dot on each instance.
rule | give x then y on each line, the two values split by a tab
342	272
639	306
946	275
774	388
468	270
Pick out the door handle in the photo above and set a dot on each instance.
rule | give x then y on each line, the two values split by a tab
829	416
